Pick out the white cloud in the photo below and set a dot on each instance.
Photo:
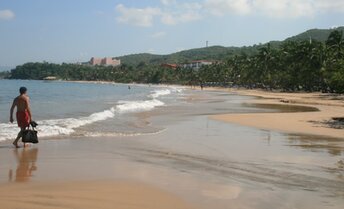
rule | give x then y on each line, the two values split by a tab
136	16
274	8
173	12
159	34
168	19
285	8
6	14
222	7
189	17
297	8
181	13
168	2
173	19
330	5
191	6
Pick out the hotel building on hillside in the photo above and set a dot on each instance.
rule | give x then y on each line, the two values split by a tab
106	61
197	64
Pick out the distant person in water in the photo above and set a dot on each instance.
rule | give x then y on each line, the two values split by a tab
22	102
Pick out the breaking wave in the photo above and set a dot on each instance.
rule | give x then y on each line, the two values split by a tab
67	126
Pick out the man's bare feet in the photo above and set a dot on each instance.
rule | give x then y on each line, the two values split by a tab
16	144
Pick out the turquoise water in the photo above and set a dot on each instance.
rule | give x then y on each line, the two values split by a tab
67	108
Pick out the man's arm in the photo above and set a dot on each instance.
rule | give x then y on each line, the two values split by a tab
28	107
12	109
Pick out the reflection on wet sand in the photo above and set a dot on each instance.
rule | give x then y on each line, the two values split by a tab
281	175
333	146
26	159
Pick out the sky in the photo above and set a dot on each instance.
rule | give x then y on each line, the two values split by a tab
76	30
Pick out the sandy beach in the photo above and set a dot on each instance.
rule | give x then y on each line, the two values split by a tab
312	123
218	150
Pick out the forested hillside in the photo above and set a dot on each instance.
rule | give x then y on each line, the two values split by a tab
220	52
207	53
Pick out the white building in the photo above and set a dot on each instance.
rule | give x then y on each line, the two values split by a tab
197	64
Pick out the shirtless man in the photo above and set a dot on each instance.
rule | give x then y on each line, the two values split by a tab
22	103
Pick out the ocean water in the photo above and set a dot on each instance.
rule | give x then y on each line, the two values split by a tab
64	109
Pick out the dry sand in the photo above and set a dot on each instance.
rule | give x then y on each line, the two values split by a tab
314	123
88	195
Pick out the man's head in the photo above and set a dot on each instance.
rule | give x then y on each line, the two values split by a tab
23	90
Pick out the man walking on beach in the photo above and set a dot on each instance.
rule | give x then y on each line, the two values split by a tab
23	115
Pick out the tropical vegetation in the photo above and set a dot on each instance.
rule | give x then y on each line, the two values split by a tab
4	74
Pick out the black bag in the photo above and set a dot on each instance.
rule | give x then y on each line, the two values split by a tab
30	135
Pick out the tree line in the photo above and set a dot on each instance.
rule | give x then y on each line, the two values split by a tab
293	66
4	74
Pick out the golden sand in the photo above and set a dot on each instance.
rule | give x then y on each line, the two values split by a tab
87	195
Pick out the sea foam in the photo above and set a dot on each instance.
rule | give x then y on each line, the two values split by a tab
67	126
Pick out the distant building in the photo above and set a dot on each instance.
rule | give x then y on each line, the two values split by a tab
95	61
171	66
197	64
106	61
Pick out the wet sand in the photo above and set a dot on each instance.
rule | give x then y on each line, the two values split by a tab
88	194
196	162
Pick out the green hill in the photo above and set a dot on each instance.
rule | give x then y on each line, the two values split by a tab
206	53
135	59
217	52
316	34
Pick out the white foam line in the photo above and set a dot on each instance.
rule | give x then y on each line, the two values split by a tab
100	134
67	126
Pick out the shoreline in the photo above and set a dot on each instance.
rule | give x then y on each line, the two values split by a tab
310	123
116	83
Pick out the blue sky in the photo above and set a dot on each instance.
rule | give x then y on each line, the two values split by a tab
75	30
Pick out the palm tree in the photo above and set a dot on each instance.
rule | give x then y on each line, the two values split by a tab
335	44
334	70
